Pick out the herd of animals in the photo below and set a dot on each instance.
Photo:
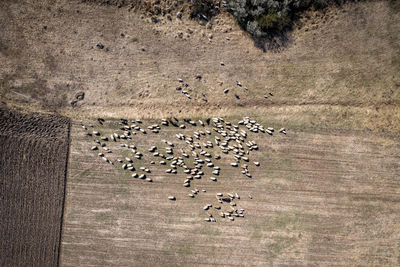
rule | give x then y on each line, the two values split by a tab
229	138
200	155
182	87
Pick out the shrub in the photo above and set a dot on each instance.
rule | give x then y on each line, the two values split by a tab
263	18
204	9
273	21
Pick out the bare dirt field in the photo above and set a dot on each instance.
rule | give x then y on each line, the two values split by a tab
33	162
326	198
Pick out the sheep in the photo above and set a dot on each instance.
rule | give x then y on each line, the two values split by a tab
206	207
226	199
171	198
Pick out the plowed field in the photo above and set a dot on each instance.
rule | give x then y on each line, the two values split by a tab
33	164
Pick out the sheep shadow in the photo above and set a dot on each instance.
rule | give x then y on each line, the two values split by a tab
273	42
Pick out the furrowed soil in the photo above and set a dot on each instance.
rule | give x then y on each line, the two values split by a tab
33	167
326	198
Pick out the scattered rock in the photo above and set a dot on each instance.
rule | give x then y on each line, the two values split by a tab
155	19
80	96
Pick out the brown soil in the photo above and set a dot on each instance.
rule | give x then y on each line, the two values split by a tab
326	198
339	67
325	194
33	168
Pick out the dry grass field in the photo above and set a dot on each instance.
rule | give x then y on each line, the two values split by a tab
325	194
33	156
342	63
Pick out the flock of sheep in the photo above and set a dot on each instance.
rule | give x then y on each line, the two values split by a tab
184	88
200	154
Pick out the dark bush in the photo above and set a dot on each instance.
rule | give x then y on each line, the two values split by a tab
204	9
263	18
274	21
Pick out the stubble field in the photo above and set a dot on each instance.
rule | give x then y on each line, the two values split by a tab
324	198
